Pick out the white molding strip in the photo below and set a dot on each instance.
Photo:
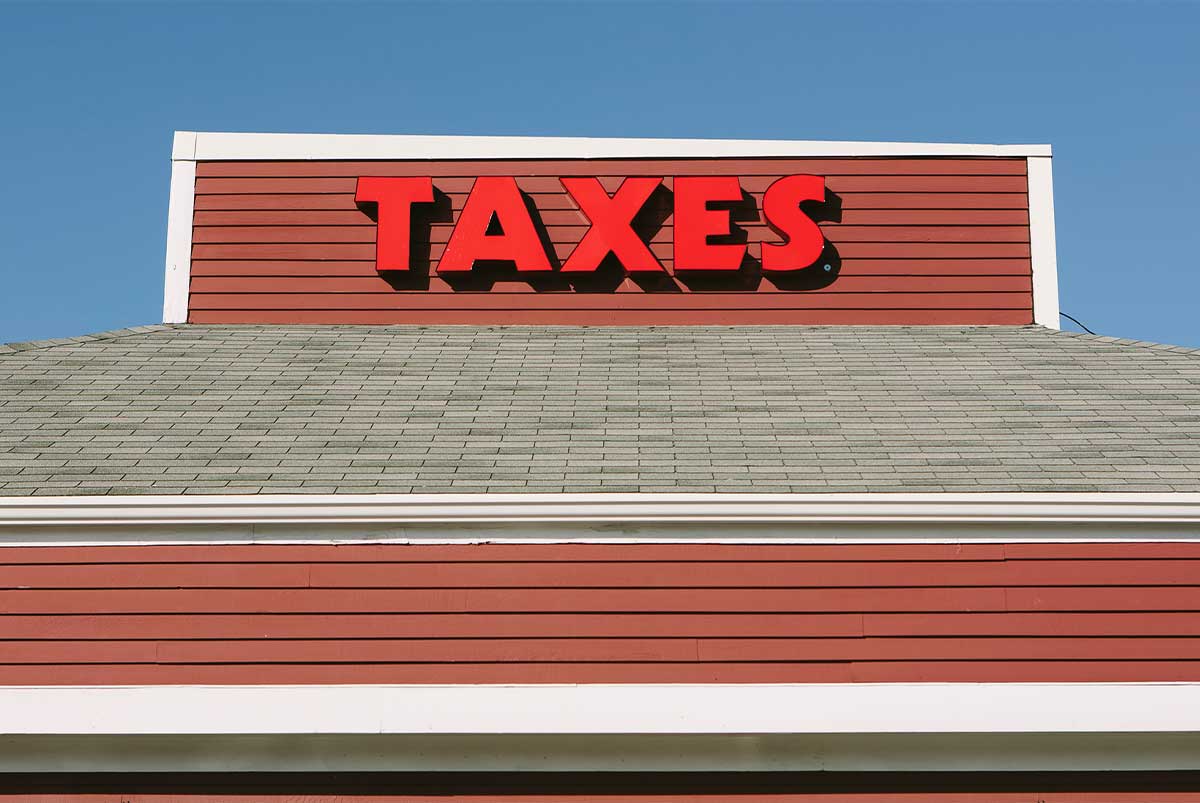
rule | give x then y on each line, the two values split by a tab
598	519
179	230
216	146
1043	249
598	508
865	708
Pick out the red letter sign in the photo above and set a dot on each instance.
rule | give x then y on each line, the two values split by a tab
518	242
803	240
611	230
695	223
395	197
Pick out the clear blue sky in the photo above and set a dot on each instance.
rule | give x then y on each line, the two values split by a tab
91	93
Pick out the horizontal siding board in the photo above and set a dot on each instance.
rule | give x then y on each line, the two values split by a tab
894	317
554	553
949	649
1158	623
549	184
572	233
1181	550
312	796
640	600
591	650
597	301
1130	598
366	251
560	217
606	625
254	269
1001	671
1151	792
115	674
621	167
984	671
760	575
859	200
394	651
846	284
613	574
463	625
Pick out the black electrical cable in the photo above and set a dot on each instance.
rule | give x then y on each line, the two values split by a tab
1076	321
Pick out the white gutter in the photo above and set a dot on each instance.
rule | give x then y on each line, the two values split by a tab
598	518
588	508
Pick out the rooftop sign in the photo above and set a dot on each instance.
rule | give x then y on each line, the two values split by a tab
500	223
496	230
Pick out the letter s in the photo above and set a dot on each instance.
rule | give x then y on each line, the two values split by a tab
803	240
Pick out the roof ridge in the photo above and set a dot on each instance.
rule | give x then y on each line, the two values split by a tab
112	334
1122	341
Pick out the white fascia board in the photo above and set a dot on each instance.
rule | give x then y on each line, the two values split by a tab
599	508
215	146
884	708
1042	244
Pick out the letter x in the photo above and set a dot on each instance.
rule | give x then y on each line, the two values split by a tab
612	230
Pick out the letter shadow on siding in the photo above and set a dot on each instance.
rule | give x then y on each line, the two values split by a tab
750	274
424	217
828	266
486	272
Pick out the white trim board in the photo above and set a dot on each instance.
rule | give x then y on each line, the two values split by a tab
688	508
178	275
598	518
819	708
219	146
1043	249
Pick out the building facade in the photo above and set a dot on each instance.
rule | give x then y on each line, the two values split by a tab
526	470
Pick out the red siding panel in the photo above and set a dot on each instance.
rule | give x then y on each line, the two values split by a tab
1151	795
919	241
600	613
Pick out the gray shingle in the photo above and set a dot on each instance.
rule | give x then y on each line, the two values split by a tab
296	409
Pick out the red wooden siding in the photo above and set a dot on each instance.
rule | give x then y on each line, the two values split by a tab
317	787
599	613
816	797
929	240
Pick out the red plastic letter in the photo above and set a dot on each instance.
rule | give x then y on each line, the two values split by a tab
612	230
695	223
395	197
518	241
803	240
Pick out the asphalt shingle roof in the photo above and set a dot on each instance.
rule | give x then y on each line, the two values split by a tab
296	409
